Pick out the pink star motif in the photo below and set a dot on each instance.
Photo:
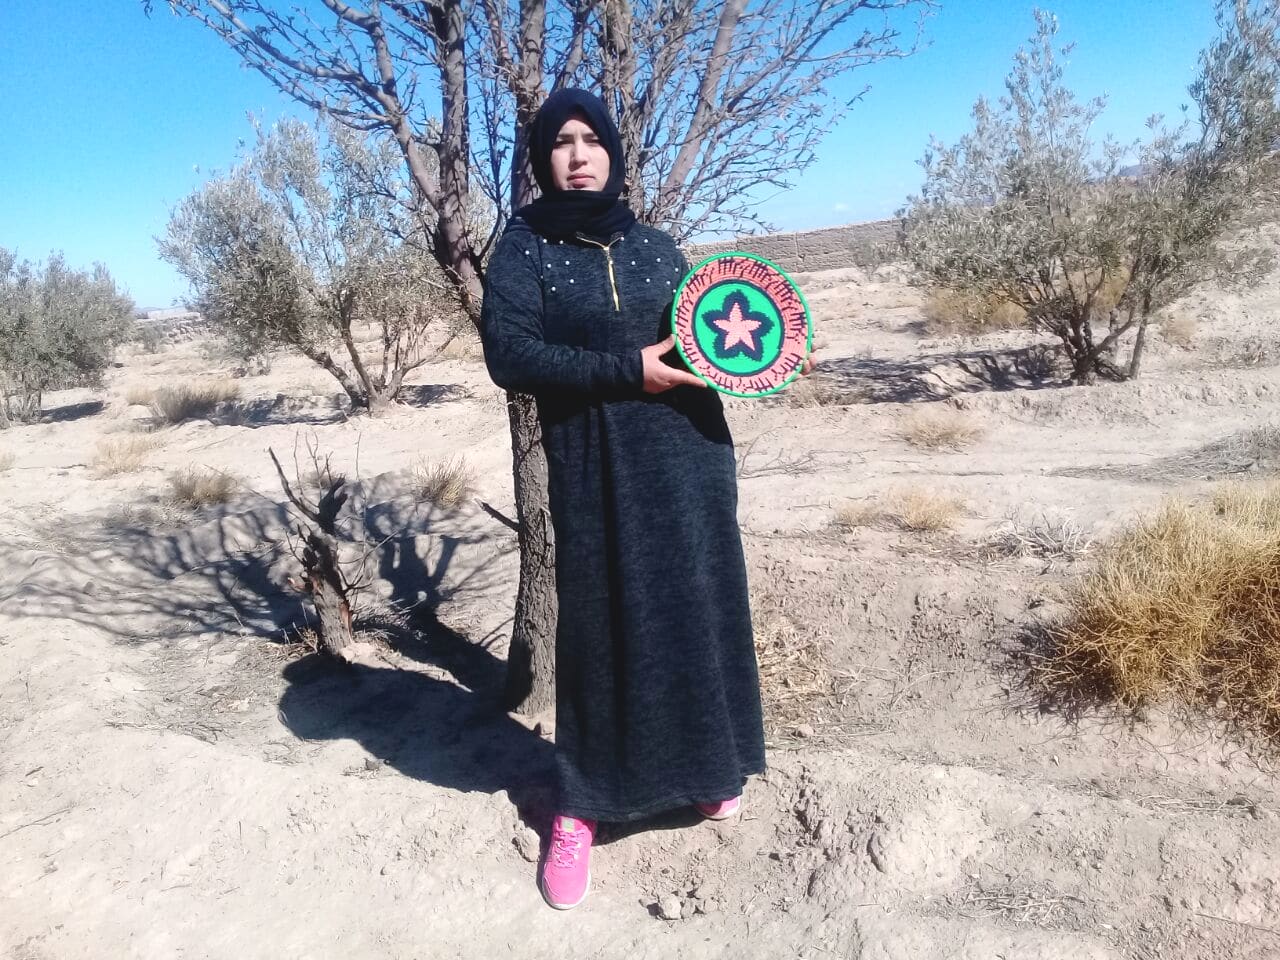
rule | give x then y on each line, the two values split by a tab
738	328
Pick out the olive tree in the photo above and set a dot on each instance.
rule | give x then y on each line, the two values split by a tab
1027	208
59	328
306	246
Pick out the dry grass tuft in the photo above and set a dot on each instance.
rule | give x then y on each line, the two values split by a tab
924	511
465	346
1044	536
201	487
855	514
795	675
950	313
1020	906
939	428
815	390
1184	606
915	510
1252	354
126	454
6	460
446	484
1179	331
190	401
138	395
159	516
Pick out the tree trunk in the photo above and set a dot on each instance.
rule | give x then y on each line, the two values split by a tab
531	655
455	250
530	684
528	95
325	361
1084	366
323	582
1135	361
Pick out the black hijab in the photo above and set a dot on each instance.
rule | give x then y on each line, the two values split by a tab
598	214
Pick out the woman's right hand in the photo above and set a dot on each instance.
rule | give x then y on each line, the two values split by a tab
659	376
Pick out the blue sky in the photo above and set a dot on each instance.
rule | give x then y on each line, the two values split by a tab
110	118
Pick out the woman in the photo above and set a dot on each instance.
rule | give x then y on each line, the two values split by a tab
657	693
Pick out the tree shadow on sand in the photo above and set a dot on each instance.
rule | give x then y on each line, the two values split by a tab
430	729
443	723
281	410
426	394
72	411
936	377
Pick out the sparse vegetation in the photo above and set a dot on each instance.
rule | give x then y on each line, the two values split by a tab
464	346
1180	330
1026	209
871	254
1183	607
138	395
795	670
923	511
164	515
149	337
939	428
126	454
191	401
817	390
58	328
913	509
197	487
310	245
445	484
1043	535
966	313
1257	448
1254	353
855	514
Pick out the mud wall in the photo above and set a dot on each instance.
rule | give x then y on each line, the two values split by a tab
853	245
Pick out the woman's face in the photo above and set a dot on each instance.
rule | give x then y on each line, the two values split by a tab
579	161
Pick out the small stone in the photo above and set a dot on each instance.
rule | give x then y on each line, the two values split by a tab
528	844
689	908
804	731
876	852
824	833
669	908
371	764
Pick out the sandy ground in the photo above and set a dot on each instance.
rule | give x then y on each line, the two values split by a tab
176	782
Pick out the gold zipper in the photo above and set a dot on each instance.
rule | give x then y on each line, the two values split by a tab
608	256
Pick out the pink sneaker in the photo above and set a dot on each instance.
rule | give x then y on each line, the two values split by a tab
566	869
719	811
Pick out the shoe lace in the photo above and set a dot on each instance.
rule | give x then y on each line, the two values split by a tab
565	846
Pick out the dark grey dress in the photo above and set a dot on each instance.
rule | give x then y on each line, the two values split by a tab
657	691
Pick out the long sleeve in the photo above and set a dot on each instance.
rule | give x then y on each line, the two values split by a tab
511	331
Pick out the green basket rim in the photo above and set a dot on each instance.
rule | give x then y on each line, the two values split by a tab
808	322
